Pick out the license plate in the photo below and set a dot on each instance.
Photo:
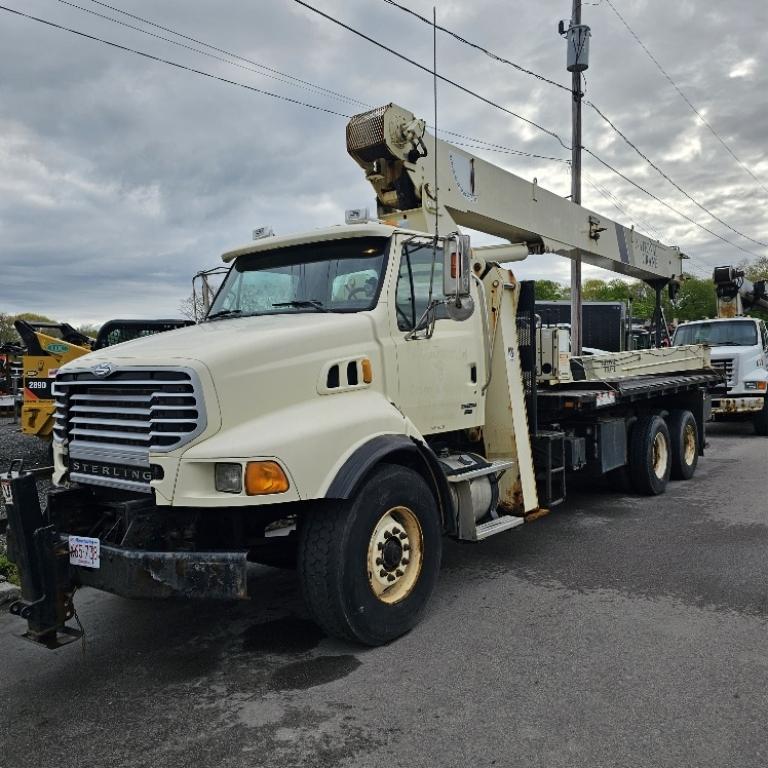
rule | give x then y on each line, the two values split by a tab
5	485
85	551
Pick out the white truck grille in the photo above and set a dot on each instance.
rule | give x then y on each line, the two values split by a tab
728	367
132	410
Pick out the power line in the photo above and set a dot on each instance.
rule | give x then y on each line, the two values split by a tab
620	206
668	205
671	181
303	84
324	109
299	83
684	97
444	79
173	63
485	144
502	60
478	47
219	50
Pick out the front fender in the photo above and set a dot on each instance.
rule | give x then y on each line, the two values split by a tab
311	440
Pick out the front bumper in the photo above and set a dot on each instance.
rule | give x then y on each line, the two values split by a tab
48	580
141	574
738	404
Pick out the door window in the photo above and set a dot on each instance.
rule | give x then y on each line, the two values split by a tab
420	266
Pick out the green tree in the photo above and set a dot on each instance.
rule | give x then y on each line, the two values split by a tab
756	270
89	330
549	290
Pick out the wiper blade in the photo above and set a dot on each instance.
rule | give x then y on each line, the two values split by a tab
224	313
318	305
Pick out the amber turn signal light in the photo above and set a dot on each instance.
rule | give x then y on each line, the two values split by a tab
367	370
263	477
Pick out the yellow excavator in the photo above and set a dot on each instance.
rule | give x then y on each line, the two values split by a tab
50	345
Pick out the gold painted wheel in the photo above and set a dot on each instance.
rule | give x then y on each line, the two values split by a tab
689	444
395	555
660	455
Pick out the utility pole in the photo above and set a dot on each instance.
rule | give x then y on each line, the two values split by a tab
576	189
577	37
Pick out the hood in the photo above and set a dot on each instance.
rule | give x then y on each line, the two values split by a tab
257	365
266	338
725	352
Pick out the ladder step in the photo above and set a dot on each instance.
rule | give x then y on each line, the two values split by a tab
500	465
503	523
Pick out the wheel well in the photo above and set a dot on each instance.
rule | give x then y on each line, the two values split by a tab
398	450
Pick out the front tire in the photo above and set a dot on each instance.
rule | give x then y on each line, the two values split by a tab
369	566
650	456
684	435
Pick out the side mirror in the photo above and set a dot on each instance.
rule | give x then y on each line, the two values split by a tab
456	267
457	277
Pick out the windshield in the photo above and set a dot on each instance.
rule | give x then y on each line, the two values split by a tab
329	276
733	333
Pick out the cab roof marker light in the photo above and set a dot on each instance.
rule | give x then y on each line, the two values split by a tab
262	232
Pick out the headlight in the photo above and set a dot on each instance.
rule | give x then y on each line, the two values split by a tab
762	385
229	478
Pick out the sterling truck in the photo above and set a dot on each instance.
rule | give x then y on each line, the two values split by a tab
739	348
364	390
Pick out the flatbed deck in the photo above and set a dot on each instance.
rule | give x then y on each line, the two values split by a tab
585	396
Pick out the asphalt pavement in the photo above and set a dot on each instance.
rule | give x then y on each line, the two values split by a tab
617	631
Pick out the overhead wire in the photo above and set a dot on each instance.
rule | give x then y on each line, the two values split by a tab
478	47
667	205
191	39
171	63
609	122
282	78
684	97
666	176
426	69
288	99
482	144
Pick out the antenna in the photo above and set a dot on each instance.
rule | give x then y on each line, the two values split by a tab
434	88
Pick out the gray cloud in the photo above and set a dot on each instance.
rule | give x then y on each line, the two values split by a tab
120	177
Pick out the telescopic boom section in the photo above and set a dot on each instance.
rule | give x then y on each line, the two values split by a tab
397	154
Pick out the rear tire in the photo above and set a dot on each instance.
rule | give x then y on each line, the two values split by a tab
369	566
650	456
684	436
761	420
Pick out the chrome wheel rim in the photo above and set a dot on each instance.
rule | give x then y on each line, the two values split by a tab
395	555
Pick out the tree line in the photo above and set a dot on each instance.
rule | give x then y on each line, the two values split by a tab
695	299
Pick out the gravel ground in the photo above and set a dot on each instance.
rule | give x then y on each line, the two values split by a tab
15	445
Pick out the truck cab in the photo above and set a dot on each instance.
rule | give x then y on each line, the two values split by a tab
739	349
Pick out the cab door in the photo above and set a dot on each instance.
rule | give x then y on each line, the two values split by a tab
440	376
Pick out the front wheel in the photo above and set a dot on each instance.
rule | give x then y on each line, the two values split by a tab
369	566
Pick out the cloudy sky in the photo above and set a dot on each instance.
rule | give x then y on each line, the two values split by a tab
121	176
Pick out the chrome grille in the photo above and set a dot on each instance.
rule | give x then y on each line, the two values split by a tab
134	410
728	367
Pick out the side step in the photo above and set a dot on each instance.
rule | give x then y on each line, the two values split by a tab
503	523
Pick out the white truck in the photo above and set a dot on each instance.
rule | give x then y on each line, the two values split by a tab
355	394
739	348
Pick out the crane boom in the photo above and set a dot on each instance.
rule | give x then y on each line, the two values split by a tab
736	294
398	156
